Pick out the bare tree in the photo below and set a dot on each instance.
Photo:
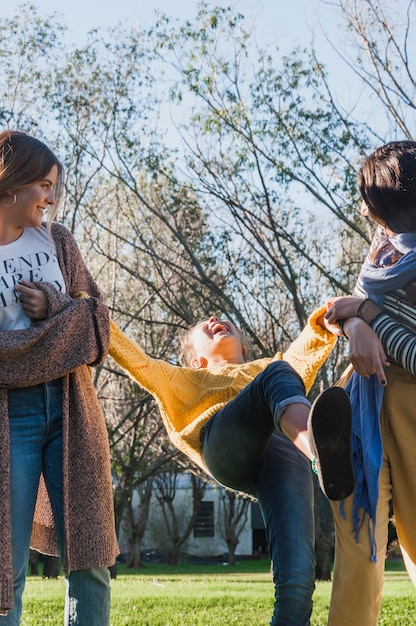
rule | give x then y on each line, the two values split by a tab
232	519
379	48
251	215
138	522
179	520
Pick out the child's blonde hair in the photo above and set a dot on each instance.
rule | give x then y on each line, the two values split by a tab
186	349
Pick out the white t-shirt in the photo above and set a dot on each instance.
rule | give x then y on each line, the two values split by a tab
31	257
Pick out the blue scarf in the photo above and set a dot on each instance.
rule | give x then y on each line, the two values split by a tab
366	394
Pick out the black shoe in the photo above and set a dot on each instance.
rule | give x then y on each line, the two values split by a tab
329	429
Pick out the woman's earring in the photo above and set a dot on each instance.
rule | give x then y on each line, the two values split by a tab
14	200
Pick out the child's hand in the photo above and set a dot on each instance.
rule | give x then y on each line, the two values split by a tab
34	301
333	328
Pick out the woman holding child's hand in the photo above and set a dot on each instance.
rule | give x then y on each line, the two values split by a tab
383	415
366	352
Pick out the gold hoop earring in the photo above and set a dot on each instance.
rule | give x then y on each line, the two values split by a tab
14	200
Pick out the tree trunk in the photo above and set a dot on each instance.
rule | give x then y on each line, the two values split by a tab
231	552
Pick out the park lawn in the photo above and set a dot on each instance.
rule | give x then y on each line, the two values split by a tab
197	595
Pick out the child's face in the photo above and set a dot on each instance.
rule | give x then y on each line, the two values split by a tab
216	341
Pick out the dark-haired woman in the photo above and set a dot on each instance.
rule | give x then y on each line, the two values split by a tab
384	415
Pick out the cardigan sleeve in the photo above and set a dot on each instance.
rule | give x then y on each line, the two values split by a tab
311	349
77	335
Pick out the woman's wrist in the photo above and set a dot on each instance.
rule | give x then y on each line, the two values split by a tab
352	323
368	310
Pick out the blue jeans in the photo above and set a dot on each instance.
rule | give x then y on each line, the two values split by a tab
35	417
244	450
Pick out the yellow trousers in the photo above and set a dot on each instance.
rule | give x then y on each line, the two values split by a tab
357	581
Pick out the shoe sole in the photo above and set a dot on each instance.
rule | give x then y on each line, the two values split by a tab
329	429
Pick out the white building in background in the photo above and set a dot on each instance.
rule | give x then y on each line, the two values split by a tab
205	539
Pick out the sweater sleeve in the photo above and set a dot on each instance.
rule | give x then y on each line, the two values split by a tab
398	342
132	358
311	349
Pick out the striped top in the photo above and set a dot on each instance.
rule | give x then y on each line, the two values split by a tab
396	325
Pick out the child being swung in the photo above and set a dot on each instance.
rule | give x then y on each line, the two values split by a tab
229	416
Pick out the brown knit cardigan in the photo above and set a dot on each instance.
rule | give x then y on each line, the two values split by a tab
74	337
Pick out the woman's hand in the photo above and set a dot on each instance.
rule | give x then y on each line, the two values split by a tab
341	307
34	301
365	350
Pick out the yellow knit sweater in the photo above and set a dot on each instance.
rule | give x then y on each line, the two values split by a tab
188	397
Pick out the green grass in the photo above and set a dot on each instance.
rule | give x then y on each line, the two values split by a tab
196	595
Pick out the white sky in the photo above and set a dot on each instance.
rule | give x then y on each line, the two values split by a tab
286	22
